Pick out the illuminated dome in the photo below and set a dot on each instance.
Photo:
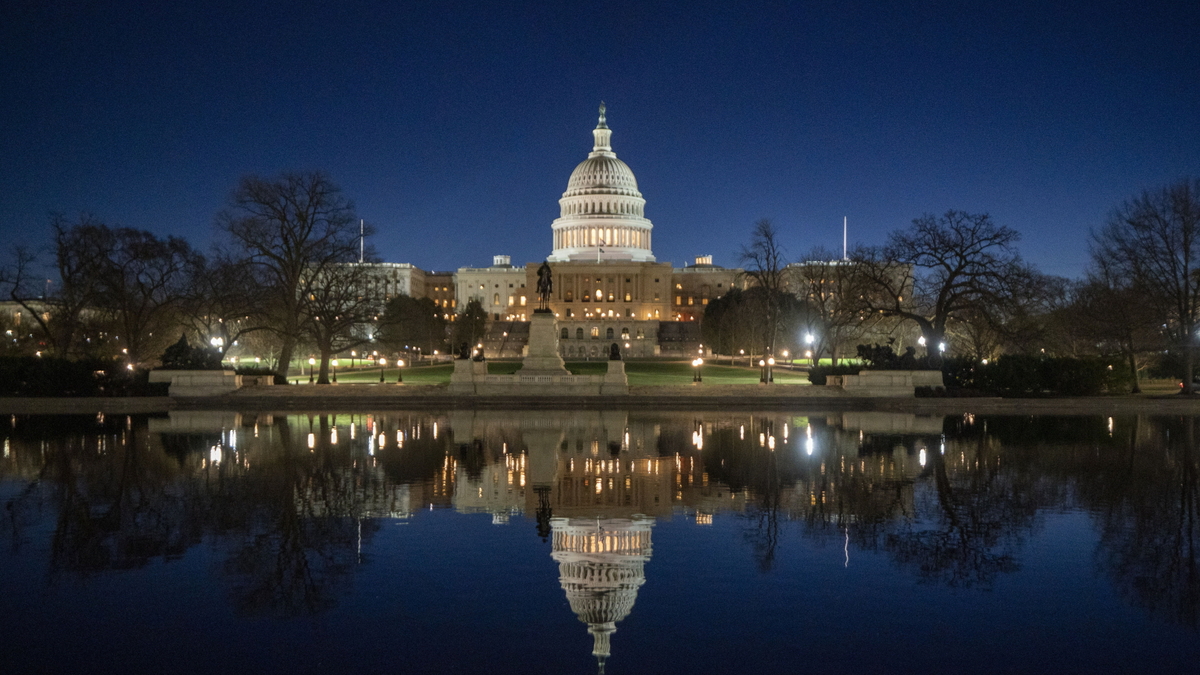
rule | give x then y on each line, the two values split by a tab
602	213
602	174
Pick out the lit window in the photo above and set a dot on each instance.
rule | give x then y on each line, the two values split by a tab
595	331
522	301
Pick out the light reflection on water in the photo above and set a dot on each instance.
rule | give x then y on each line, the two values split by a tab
879	541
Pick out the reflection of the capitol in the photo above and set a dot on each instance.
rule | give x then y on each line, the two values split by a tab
594	481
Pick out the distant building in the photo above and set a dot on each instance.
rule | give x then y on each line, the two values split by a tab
500	288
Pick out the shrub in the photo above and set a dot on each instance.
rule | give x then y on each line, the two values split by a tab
1026	375
48	376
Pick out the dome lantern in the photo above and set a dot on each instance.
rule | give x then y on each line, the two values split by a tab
602	213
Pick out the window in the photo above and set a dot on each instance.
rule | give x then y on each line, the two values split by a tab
569	314
628	296
587	297
641	334
624	333
656	297
570	297
679	287
626	279
691	300
679	299
611	297
495	298
564	334
578	333
628	312
704	301
510	285
656	281
608	334
522	301
512	299
595	332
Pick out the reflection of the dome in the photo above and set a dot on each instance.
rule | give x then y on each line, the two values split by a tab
601	566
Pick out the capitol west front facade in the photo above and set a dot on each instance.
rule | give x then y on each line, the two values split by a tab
608	286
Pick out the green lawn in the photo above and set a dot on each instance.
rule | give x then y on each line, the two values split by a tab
640	373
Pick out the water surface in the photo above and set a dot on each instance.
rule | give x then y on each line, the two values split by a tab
628	542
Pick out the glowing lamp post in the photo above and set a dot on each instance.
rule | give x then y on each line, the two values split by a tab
770	369
762	371
382	365
334	364
696	363
311	363
399	371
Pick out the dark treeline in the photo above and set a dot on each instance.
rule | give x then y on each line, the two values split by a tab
955	285
281	284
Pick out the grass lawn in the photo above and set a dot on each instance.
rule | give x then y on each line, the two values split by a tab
639	372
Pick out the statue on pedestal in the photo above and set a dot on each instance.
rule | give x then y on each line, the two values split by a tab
545	286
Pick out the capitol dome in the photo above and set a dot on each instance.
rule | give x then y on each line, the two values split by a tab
602	213
603	174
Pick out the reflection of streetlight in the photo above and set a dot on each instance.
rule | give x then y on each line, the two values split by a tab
696	363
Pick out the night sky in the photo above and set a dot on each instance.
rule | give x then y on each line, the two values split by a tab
454	125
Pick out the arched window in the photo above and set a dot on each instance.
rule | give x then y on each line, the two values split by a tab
564	334
578	333
595	332
608	334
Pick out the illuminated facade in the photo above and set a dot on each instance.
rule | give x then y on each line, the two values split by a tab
602	213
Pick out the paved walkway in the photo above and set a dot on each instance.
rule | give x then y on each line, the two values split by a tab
683	397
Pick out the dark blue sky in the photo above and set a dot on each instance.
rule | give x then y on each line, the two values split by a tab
454	126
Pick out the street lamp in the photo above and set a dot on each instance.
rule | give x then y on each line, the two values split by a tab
696	363
334	364
399	371
762	372
382	365
770	369
311	362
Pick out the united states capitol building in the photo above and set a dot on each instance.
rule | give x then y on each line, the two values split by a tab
608	286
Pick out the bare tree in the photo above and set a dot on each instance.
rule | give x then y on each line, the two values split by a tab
1154	242
337	310
144	283
223	301
943	268
292	229
59	306
765	261
829	288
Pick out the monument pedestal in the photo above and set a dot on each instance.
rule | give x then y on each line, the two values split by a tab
542	357
615	380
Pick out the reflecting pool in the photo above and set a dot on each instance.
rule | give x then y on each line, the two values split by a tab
599	541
